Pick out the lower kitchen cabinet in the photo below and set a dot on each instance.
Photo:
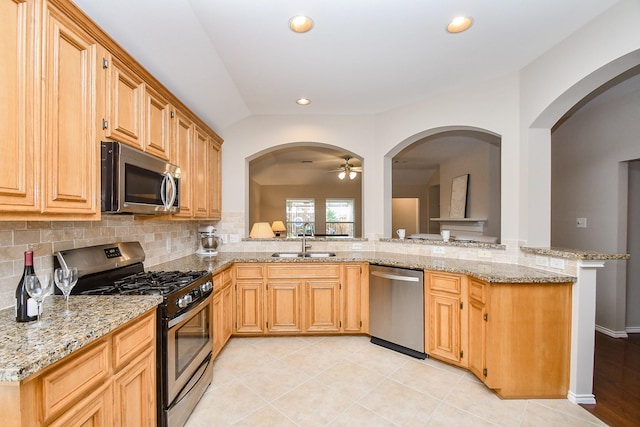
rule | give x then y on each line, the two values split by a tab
301	298
521	338
222	309
445	316
284	306
111	382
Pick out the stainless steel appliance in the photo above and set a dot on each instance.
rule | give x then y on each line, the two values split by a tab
136	182
209	242
396	309
184	327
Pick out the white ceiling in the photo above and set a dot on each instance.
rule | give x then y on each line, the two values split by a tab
229	59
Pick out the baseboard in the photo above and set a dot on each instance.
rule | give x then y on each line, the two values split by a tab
585	399
611	333
633	330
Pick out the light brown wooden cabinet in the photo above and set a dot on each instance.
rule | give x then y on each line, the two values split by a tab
444	303
222	308
520	335
65	86
52	81
301	298
20	162
125	110
110	382
249	299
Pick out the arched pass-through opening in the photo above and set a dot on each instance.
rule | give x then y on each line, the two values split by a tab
425	165
306	177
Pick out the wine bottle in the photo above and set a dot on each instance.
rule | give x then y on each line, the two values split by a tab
26	307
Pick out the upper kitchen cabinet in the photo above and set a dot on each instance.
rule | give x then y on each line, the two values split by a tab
19	164
181	154
207	170
66	85
157	132
125	103
71	95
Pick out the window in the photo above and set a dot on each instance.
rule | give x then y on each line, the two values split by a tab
340	217
299	212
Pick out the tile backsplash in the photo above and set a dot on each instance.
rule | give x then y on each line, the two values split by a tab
162	240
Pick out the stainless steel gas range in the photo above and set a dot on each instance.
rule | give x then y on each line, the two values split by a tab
184	327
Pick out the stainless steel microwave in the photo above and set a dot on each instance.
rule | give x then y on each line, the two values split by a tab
137	183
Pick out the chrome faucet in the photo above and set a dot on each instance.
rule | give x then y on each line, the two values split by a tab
304	237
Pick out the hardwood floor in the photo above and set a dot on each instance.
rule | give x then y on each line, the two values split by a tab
616	382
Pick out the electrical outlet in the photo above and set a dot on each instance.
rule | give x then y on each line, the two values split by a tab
483	253
542	261
437	250
356	246
234	238
556	263
581	222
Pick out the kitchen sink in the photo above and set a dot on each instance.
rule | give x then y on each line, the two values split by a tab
303	255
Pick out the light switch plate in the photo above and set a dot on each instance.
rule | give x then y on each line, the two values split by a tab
356	246
484	253
542	261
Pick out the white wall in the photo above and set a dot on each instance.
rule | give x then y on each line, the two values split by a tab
589	180
519	107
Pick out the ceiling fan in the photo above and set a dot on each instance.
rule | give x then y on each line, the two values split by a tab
348	169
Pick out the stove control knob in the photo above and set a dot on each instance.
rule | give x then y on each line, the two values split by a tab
184	301
206	287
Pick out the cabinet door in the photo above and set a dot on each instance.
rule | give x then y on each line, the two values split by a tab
71	157
249	303
355	298
181	155
227	314
444	326
215	180
96	410
134	392
157	126
200	175
322	306
477	338
18	163
284	306
217	317
125	104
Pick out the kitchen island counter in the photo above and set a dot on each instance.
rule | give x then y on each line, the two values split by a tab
490	272
26	348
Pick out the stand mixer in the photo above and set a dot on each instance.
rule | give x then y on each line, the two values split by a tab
209	242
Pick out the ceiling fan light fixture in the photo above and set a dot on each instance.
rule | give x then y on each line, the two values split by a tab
352	175
342	174
300	24
459	24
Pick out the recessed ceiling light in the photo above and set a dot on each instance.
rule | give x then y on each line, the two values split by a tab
303	101
300	24
459	24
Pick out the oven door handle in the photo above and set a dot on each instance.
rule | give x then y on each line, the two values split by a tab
188	314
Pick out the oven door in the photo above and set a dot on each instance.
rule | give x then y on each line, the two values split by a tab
189	342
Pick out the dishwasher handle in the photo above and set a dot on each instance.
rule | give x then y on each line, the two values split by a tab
395	277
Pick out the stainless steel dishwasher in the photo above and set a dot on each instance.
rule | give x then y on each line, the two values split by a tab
396	309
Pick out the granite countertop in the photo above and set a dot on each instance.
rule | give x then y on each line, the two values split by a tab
575	254
26	348
488	271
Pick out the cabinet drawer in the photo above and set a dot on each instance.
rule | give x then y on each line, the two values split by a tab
296	270
132	340
76	377
227	277
445	282
249	271
477	291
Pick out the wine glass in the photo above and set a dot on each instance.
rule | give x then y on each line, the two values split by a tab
38	289
66	279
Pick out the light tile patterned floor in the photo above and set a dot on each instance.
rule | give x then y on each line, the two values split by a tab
347	381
